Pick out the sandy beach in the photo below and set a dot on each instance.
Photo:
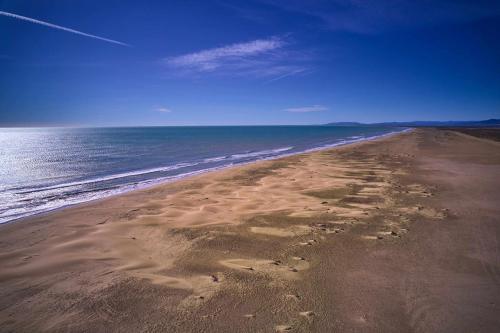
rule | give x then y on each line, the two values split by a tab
399	234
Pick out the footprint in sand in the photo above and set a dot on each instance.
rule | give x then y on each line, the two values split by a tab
321	226
371	237
307	314
383	234
428	212
273	268
243	264
293	296
283	328
309	242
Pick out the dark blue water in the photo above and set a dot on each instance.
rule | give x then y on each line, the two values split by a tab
47	168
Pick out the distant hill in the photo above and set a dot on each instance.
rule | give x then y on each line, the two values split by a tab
480	123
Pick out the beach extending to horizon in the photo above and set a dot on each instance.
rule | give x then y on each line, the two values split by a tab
396	234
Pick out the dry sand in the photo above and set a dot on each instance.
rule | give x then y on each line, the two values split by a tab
401	234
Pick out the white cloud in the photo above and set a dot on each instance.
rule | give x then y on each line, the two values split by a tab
163	109
209	60
54	26
313	108
269	58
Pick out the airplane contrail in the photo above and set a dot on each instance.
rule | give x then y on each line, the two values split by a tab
54	26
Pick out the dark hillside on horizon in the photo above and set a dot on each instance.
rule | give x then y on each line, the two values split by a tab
472	123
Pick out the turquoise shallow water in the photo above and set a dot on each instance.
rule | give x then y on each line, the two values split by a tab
47	168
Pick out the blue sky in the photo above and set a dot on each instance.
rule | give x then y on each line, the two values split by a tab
119	63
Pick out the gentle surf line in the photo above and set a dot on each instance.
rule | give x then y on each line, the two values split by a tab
106	193
159	169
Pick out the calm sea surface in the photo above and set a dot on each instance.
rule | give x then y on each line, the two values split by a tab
47	168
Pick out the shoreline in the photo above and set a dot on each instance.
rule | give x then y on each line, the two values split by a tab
398	234
175	178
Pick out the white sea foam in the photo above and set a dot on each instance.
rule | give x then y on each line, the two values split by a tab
155	170
240	156
260	153
112	177
215	159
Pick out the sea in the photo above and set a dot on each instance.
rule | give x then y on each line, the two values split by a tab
43	169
